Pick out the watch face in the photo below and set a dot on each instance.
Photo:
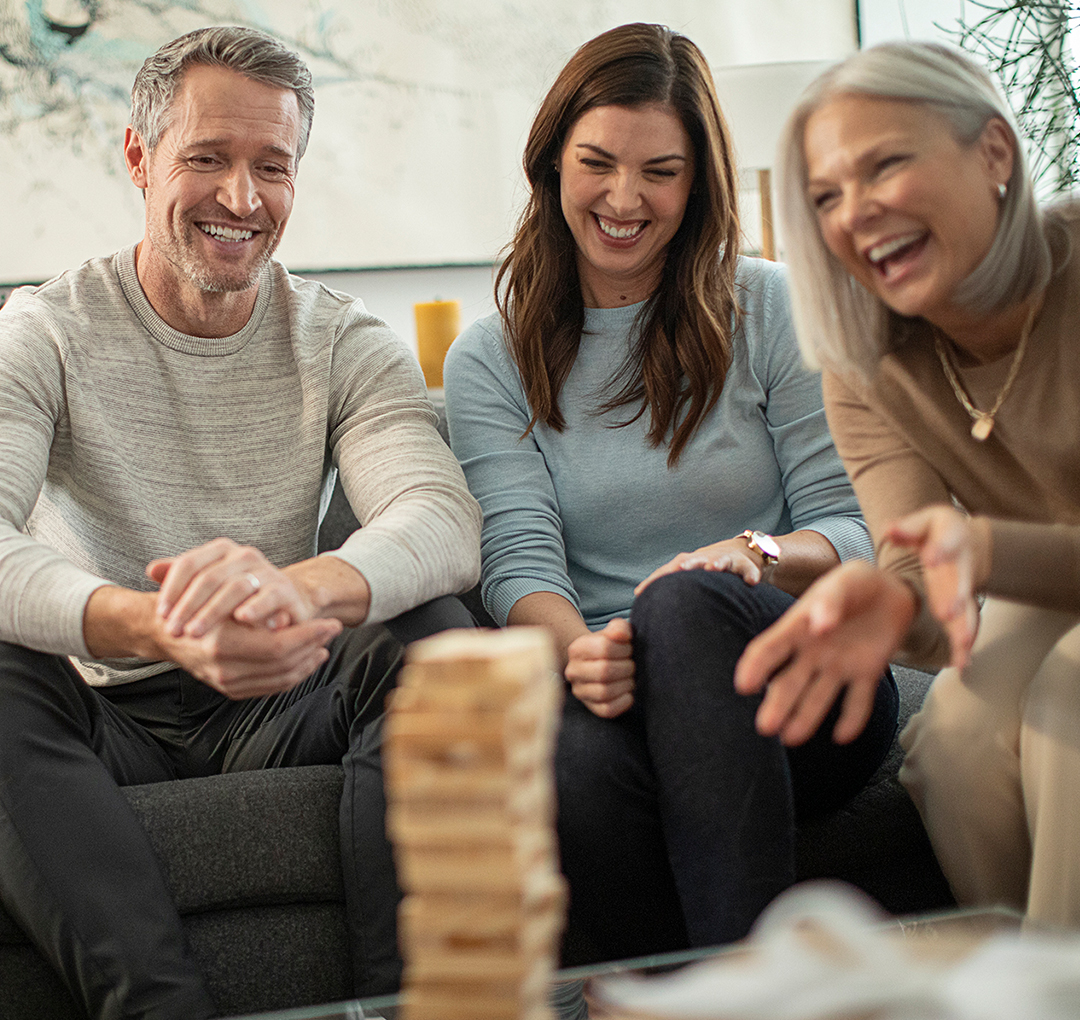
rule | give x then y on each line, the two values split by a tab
767	545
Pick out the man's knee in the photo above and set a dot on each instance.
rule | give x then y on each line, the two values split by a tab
38	686
366	660
24	664
363	666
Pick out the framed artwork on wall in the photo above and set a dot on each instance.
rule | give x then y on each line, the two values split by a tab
421	112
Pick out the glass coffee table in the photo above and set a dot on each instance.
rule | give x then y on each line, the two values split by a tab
947	929
387	1007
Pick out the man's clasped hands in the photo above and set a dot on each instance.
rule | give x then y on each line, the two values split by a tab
231	618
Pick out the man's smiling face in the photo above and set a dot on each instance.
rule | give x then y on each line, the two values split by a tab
219	185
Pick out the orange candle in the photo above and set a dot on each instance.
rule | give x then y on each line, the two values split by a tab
437	323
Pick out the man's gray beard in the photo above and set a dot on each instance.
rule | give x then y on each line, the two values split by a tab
211	284
183	258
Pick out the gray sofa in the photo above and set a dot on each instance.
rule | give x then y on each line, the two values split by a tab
253	862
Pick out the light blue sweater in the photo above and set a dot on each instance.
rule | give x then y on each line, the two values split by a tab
590	511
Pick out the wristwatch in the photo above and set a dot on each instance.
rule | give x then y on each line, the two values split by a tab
764	545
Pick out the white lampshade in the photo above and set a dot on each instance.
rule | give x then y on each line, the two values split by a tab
756	100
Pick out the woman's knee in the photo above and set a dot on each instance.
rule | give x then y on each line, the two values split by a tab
949	741
707	601
691	628
1052	702
952	718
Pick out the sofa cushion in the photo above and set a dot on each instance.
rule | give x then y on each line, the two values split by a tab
254	959
245	838
273	957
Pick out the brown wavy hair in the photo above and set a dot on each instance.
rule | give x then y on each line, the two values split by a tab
681	352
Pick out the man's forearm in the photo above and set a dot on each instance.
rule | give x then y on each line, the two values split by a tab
333	587
119	623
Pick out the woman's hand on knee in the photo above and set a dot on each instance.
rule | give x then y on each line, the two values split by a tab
954	551
732	555
835	641
600	669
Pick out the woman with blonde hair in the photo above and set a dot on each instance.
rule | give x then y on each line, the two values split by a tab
942	305
639	395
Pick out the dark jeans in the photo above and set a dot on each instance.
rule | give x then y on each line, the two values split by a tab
76	869
677	819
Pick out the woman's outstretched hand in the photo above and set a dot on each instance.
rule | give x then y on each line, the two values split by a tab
837	639
954	551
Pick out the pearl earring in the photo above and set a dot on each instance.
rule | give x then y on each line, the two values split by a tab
1002	191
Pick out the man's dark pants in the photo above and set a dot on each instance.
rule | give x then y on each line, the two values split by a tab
76	868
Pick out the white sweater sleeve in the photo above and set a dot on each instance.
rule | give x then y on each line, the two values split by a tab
43	595
420	527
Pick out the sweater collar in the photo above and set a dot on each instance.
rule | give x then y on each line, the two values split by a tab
599	320
160	330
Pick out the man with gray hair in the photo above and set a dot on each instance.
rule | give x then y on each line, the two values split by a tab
174	416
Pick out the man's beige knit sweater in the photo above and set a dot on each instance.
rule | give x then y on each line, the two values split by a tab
122	440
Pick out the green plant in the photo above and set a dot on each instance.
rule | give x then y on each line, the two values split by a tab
1026	44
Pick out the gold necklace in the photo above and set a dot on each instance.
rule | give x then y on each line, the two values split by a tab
983	421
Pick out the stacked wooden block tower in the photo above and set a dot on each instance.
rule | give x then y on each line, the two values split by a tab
468	762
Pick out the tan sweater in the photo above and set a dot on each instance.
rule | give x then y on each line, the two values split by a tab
122	440
906	442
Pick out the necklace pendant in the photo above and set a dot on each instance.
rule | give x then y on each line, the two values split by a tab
982	428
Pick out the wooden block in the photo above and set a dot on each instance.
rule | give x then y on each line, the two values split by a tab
534	988
468	762
420	824
460	922
478	669
520	735
521	933
474	966
496	960
430	782
465	757
467	817
533	696
502	651
476	868
525	796
456	911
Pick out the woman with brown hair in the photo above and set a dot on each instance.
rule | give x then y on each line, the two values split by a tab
640	393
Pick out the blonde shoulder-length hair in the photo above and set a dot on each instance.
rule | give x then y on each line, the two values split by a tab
841	326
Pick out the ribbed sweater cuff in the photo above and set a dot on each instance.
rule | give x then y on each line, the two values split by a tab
499	596
849	537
